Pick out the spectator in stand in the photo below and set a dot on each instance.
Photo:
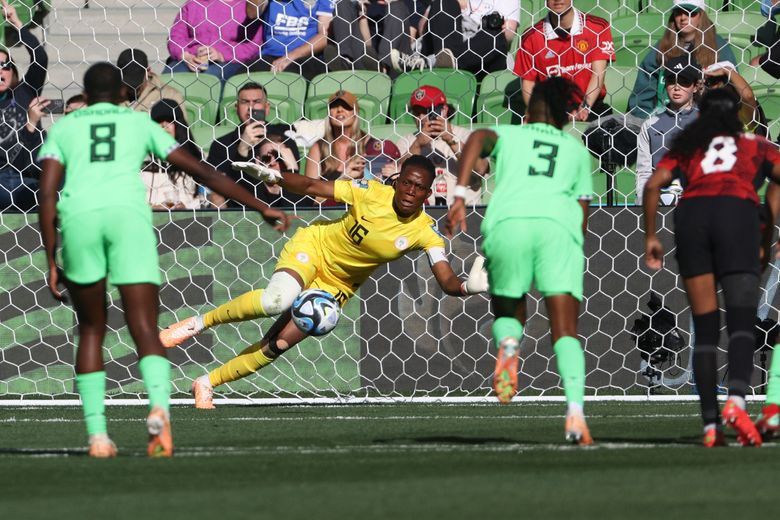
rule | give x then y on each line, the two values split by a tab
441	142
21	107
252	106
767	36
364	32
213	36
472	36
340	154
571	44
273	153
384	160
74	103
724	75
689	32
682	82
166	187
295	34
144	88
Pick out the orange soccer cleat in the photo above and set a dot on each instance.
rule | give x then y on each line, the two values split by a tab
769	421
101	447
738	419
577	431
160	439
505	375
203	393
180	332
714	438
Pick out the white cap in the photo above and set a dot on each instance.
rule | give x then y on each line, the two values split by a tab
690	5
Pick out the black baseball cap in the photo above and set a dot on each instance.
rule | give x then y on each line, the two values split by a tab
682	67
133	64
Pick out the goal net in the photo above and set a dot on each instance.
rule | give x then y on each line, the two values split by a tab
400	338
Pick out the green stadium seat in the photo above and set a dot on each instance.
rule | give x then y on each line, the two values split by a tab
204	135
392	132
286	93
201	95
619	82
769	98
460	87
371	88
739	25
500	98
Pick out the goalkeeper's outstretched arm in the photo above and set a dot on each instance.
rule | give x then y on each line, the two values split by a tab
450	283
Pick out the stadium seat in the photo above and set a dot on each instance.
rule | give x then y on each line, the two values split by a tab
741	25
620	82
201	95
500	98
371	88
286	92
204	135
769	98
392	132
607	9
460	87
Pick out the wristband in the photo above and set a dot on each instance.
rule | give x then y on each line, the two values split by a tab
460	191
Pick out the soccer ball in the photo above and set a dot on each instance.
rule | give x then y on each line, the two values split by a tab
315	312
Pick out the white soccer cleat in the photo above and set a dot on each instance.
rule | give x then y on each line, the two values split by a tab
178	333
203	393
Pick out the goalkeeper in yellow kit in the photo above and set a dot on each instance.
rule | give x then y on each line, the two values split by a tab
382	224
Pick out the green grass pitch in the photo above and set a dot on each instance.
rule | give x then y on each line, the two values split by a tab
384	461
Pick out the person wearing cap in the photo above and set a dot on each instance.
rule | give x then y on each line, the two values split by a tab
22	109
683	82
441	141
143	87
384	160
724	75
689	32
166	186
340	153
295	34
571	44
214	37
252	109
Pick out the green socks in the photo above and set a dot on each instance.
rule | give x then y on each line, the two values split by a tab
773	381
571	366
92	389
506	329
156	373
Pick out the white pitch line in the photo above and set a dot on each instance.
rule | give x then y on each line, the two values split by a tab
361	418
511	448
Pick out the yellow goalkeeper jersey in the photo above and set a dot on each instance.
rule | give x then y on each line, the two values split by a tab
370	233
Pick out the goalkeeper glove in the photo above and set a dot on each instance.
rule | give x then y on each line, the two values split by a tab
258	172
477	280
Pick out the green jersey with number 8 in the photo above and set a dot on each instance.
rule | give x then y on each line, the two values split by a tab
541	172
102	148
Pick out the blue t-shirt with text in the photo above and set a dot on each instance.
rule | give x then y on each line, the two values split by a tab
288	25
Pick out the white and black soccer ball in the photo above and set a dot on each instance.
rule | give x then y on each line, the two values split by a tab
315	312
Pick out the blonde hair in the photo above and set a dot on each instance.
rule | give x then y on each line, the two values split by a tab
329	163
704	46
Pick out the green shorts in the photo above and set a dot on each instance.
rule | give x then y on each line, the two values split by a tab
539	251
119	242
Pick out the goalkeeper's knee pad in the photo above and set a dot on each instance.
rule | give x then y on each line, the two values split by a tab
280	293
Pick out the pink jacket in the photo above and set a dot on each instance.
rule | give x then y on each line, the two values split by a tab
220	24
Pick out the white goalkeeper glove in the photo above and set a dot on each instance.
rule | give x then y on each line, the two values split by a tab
258	172
477	280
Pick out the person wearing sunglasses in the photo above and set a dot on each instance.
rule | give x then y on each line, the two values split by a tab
683	82
274	154
689	32
22	108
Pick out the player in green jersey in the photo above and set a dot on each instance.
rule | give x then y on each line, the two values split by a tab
106	227
533	233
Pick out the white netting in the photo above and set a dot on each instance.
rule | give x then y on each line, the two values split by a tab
400	336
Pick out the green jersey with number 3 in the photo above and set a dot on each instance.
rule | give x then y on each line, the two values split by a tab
102	148
541	172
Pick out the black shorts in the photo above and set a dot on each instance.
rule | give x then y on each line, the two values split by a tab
719	235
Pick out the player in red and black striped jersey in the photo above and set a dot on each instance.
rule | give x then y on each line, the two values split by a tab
718	239
572	44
